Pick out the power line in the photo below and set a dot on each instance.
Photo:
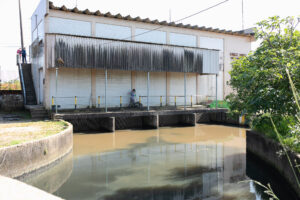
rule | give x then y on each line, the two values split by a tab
189	16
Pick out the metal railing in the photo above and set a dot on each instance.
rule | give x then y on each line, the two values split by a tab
83	102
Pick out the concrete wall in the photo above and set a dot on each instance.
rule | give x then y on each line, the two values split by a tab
267	150
19	160
11	102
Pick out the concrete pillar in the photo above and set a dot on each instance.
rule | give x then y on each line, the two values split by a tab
167	87
133	76
188	119
203	117
108	124
93	87
151	121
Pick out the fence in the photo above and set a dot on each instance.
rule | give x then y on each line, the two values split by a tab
84	102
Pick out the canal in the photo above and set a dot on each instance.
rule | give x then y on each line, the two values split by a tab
201	162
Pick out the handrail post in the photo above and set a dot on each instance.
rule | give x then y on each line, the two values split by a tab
75	102
160	101
120	101
98	101
175	101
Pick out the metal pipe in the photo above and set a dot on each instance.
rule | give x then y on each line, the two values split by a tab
21	27
184	91
56	77
148	85
216	91
22	82
105	90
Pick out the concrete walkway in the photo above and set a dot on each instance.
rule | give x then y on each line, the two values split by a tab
12	189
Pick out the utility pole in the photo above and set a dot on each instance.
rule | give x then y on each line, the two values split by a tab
242	14
21	27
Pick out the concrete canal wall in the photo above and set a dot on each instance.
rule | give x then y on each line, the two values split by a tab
112	121
268	151
18	160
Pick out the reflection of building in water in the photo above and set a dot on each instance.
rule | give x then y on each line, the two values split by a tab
160	168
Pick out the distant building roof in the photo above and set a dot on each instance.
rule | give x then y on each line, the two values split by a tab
246	32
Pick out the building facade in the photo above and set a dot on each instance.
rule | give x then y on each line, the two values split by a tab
96	56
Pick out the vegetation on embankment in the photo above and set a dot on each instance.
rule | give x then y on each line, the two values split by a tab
266	83
11	85
20	132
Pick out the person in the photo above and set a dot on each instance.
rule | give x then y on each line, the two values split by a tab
132	96
19	52
24	56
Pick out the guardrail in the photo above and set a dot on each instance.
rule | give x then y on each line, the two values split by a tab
82	102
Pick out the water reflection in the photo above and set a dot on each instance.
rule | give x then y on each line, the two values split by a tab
199	162
51	179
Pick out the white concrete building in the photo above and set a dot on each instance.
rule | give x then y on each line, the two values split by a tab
82	45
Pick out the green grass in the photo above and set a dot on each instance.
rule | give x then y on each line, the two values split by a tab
221	104
17	133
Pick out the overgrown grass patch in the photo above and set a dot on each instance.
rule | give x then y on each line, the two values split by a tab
221	104
287	127
17	133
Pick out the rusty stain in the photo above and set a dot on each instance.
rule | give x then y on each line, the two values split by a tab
85	52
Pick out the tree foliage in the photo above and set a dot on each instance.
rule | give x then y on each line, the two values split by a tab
259	80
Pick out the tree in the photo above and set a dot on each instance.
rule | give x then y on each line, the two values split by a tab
259	80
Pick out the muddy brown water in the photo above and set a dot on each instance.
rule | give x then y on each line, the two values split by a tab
201	162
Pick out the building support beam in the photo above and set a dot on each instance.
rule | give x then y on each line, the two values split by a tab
167	87
197	89
148	87
184	90
105	90
216	91
93	87
56	79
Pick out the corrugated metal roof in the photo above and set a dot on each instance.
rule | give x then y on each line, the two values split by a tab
147	20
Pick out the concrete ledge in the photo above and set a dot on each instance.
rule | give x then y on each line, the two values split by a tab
15	190
18	160
267	150
151	121
188	119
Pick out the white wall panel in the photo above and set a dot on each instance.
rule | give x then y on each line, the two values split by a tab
176	88
112	31
69	26
157	87
207	87
191	88
211	43
153	36
118	84
71	83
183	39
39	14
